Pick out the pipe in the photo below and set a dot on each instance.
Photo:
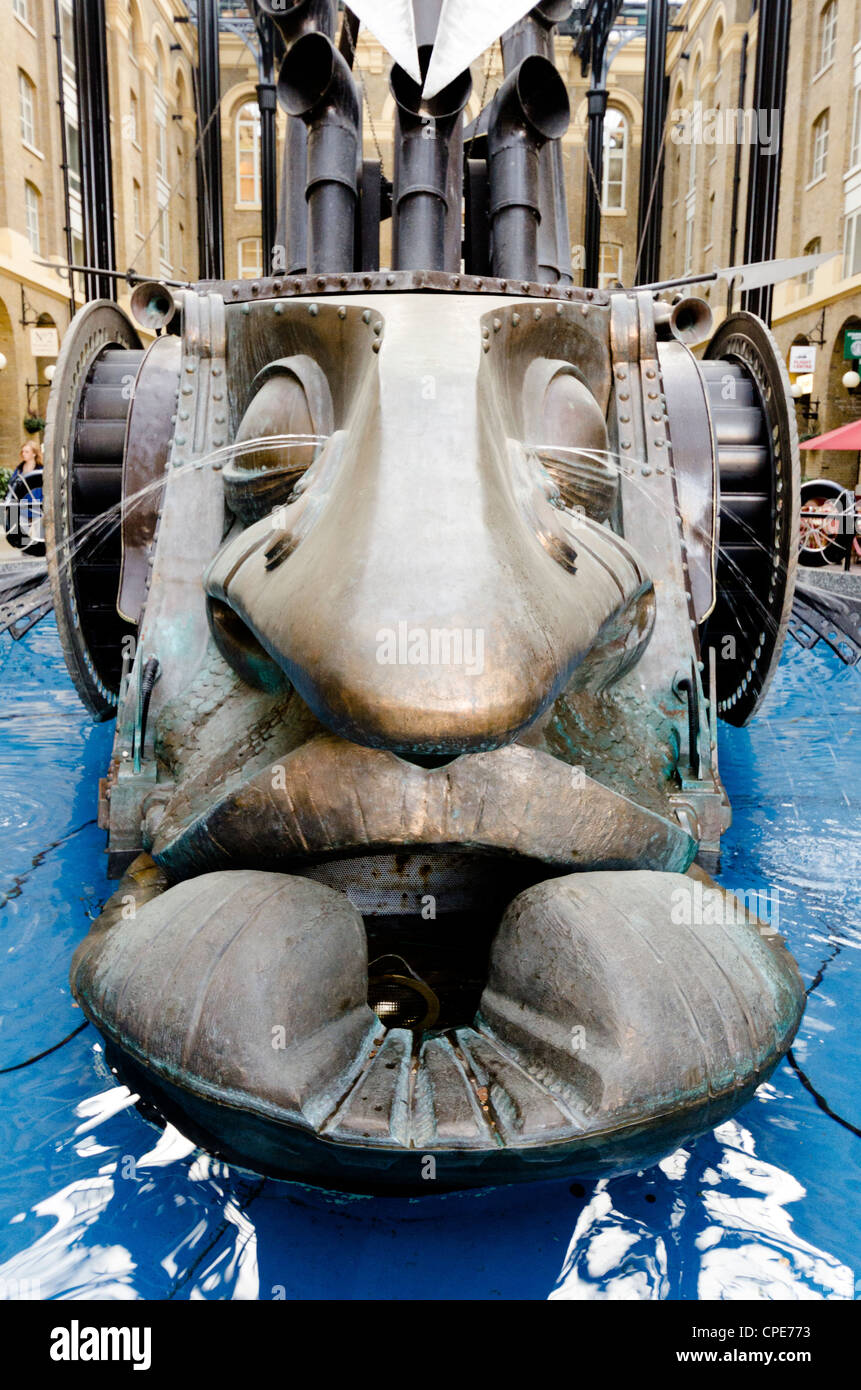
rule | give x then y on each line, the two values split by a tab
651	199
533	34
316	85
293	18
210	237
97	193
426	147
736	176
529	108
763	193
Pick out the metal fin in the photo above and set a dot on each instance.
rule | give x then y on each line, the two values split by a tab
465	31
393	23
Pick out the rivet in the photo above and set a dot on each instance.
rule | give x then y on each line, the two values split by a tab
246	308
234	289
219	419
188	390
626	443
366	316
180	439
378	326
189	366
624	396
455	280
218	395
621	373
216	371
659	443
497	324
647	472
486	347
536	313
390	279
503	284
255	288
313	310
345	280
342	312
524	285
485	333
183	415
657	416
515	319
321	282
376	345
276	285
650	373
279	308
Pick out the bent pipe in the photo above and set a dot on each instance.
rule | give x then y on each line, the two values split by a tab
533	34
428	142
530	108
302	17
316	85
293	18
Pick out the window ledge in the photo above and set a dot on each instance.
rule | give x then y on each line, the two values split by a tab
31	149
813	182
614	212
246	207
25	25
853	171
816	76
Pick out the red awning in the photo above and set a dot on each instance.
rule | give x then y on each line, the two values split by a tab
846	437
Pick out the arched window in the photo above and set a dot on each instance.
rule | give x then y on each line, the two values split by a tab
27	108
827	35
248	155
819	147
250	258
811	249
615	160
32	203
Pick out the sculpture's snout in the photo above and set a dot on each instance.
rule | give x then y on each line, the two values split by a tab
419	590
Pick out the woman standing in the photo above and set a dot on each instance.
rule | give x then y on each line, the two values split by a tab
23	505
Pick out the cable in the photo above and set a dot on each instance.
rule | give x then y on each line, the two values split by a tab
48	1050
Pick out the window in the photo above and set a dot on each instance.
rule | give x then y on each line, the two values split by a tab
19	7
73	156
855	152
819	147
806	280
610	265
67	35
136	206
27	108
615	160
132	119
31	217
164	237
248	155
852	250
689	245
160	148
250	258
827	35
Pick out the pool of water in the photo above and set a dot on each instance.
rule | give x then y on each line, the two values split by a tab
94	1203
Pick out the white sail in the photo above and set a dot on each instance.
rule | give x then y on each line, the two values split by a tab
465	30
393	23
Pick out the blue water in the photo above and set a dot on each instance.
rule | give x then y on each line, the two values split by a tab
94	1203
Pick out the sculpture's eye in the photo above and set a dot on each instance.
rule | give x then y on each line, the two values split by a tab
565	427
283	429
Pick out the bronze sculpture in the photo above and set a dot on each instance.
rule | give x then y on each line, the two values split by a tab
433	583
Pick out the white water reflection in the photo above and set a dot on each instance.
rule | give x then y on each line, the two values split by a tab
748	1246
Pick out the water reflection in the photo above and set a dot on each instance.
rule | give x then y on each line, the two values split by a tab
732	1214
